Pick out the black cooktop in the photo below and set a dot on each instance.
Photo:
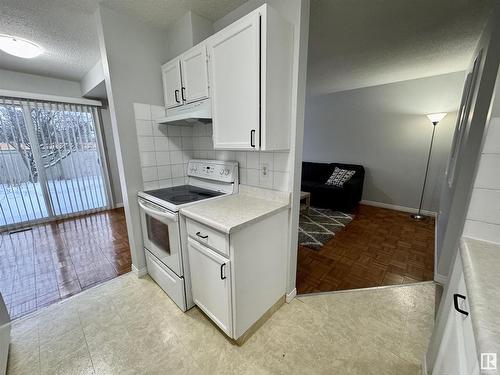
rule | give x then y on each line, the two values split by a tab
183	194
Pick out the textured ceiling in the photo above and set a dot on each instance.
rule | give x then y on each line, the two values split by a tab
66	29
360	43
353	43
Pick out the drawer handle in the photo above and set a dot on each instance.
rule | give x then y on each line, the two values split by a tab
222	276
199	235
456	296
176	94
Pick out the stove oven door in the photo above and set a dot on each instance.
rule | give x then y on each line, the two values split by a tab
161	234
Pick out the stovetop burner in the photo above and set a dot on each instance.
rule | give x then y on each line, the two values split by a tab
183	194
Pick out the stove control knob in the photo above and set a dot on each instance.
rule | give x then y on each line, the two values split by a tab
221	172
226	171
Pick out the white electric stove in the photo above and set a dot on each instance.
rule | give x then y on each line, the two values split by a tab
164	231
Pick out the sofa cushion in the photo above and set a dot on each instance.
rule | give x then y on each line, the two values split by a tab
318	172
309	185
340	176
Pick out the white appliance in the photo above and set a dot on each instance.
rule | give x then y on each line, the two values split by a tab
189	114
164	231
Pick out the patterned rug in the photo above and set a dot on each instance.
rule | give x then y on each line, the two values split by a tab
319	225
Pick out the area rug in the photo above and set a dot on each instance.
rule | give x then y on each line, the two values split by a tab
319	225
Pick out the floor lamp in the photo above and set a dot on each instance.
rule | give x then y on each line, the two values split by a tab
434	118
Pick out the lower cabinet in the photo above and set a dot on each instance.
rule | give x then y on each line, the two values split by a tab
211	284
457	354
236	278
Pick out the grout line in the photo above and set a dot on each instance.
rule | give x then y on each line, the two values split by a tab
373	288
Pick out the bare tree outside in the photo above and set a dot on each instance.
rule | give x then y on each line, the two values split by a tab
59	133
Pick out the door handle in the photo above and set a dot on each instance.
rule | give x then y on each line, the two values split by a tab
176	94
252	136
201	236
183	92
222	276
456	296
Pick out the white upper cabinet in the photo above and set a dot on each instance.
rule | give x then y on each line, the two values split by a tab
185	79
172	83
194	74
250	65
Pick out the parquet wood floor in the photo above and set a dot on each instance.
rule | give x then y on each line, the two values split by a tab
379	247
53	261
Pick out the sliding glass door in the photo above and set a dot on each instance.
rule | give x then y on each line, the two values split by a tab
51	161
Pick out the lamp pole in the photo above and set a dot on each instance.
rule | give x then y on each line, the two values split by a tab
418	215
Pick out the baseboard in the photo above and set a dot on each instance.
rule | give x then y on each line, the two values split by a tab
424	365
139	272
290	296
440	279
118	205
410	210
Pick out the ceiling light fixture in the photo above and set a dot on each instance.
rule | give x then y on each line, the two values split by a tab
19	47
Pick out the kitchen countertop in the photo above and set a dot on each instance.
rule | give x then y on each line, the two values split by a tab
233	212
481	262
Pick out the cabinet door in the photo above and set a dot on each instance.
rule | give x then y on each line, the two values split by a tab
194	74
457	352
171	74
211	284
234	59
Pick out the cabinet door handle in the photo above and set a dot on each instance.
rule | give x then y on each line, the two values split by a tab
201	236
252	136
183	92
222	276
456	296
176	94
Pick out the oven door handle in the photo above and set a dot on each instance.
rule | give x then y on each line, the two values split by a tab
154	211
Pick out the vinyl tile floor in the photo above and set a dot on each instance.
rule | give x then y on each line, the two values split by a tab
129	326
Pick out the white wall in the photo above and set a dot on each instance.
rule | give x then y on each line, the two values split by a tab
92	78
186	32
10	80
384	128
114	175
132	54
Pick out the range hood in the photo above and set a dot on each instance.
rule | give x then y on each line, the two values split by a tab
188	114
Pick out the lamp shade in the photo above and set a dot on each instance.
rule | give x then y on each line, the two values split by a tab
436	117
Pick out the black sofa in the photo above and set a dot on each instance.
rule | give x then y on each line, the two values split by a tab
314	177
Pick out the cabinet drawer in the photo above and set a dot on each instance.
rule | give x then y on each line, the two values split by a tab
208	236
172	284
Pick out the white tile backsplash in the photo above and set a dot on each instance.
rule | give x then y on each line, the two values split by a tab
488	175
492	142
146	144
162	158
149	174
148	159
166	149
483	218
157	112
144	128
481	230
